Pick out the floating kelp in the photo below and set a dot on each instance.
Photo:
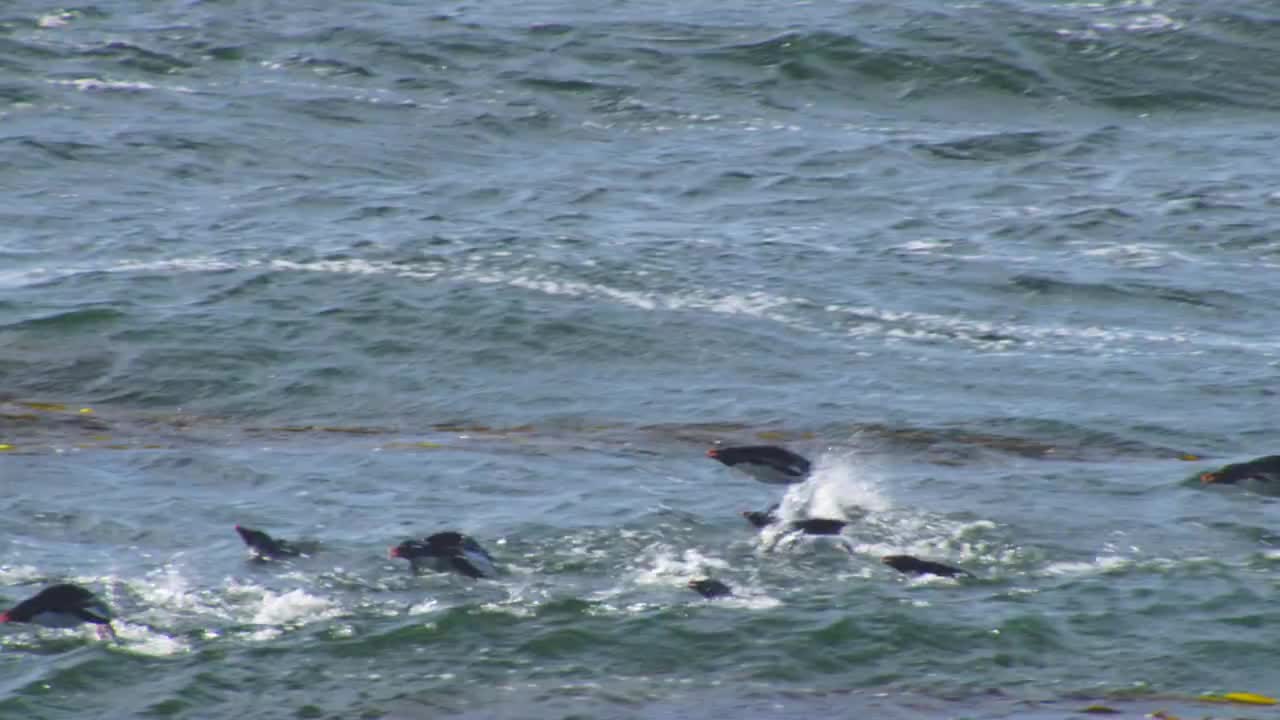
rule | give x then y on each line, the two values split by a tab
38	426
1243	698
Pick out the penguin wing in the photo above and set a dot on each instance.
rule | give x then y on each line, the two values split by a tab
469	545
96	614
464	566
286	549
938	568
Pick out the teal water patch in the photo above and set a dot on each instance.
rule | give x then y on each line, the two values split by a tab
1003	273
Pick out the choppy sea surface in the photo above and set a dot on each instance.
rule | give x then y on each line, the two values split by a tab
354	272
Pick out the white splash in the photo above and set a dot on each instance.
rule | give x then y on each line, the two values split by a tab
274	613
56	19
168	590
19	574
1100	565
841	485
934	538
429	605
291	608
1134	255
924	247
666	568
141	640
95	84
749	599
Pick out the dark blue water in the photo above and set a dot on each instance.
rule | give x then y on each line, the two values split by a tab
358	272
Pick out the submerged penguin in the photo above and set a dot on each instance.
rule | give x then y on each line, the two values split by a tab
710	588
447	551
62	606
762	518
817	526
915	566
767	463
264	547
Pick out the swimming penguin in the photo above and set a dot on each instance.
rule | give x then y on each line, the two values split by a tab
447	551
915	566
264	547
762	518
62	606
791	532
817	526
710	588
1263	468
766	463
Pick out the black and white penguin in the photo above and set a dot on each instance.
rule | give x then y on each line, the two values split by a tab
62	606
1263	468
767	463
447	551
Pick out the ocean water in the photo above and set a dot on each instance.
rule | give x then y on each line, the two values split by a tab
354	272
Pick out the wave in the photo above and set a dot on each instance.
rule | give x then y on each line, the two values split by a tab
1118	55
1114	54
797	312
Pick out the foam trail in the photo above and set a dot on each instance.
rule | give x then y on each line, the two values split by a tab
663	566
